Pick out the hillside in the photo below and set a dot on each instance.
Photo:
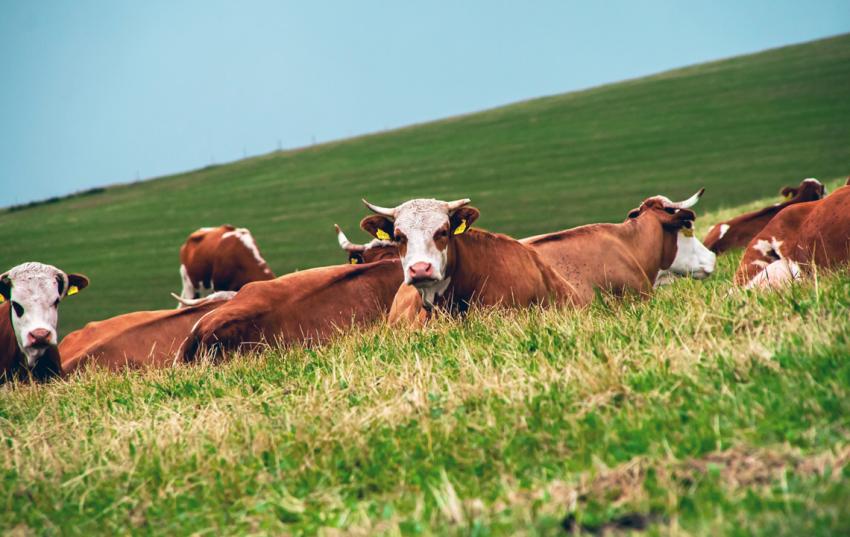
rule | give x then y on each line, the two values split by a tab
698	412
742	127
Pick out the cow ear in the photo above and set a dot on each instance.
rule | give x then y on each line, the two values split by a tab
378	226
76	283
788	192
462	219
5	287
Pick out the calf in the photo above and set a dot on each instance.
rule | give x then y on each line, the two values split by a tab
814	234
453	267
306	307
135	340
738	231
29	316
223	258
628	257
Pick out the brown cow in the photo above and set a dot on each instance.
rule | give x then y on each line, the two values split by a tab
802	238
453	267
375	250
138	339
739	231
627	257
222	258
29	317
306	307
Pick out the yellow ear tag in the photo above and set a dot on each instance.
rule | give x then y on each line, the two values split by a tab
461	228
383	235
2	299
687	232
353	261
789	196
73	290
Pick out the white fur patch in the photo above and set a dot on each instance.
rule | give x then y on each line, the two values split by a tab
35	290
723	229
692	259
764	247
247	240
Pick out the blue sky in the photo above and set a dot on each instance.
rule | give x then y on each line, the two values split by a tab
101	92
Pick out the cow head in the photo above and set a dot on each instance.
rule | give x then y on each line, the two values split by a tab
423	231
687	256
809	190
35	290
372	251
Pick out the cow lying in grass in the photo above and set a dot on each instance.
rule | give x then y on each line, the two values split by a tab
801	239
220	258
453	267
136	340
656	239
739	231
29	316
306	307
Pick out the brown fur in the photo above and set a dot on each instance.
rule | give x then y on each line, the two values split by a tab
134	340
744	227
222	264
306	307
811	233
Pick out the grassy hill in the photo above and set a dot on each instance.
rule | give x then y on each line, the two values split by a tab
698	412
742	127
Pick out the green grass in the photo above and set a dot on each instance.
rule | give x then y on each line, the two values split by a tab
742	127
707	412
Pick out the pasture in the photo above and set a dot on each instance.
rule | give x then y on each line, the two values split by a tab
741	127
696	412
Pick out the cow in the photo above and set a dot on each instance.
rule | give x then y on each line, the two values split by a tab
375	250
739	231
657	238
29	317
136	340
302	308
453	267
801	239
220	258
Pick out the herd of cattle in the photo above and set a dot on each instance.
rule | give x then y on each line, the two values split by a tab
425	258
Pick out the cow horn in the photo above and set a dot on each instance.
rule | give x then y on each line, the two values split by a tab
346	244
690	202
218	295
383	211
457	204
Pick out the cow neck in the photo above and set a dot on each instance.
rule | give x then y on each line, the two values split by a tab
466	265
643	234
10	354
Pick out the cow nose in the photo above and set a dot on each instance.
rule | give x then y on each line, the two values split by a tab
39	337
421	271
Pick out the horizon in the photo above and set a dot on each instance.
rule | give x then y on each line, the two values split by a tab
167	136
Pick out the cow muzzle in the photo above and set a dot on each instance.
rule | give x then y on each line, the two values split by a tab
421	273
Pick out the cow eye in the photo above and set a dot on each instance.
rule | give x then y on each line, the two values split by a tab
19	310
670	210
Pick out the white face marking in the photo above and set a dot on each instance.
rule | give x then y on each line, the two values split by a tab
692	259
723	229
248	241
35	306
419	220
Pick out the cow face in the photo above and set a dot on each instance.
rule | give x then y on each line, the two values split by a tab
809	190
422	230
35	290
687	256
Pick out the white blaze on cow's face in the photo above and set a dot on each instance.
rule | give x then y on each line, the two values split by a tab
422	229
35	290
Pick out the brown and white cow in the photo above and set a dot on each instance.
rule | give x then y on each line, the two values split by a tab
307	307
802	238
220	258
375	250
136	340
739	231
656	239
29	318
453	267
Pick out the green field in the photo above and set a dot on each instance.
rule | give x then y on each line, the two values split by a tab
702	411
741	127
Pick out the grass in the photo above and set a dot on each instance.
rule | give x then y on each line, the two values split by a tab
741	127
698	412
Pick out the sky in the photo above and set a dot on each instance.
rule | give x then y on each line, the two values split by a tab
102	92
